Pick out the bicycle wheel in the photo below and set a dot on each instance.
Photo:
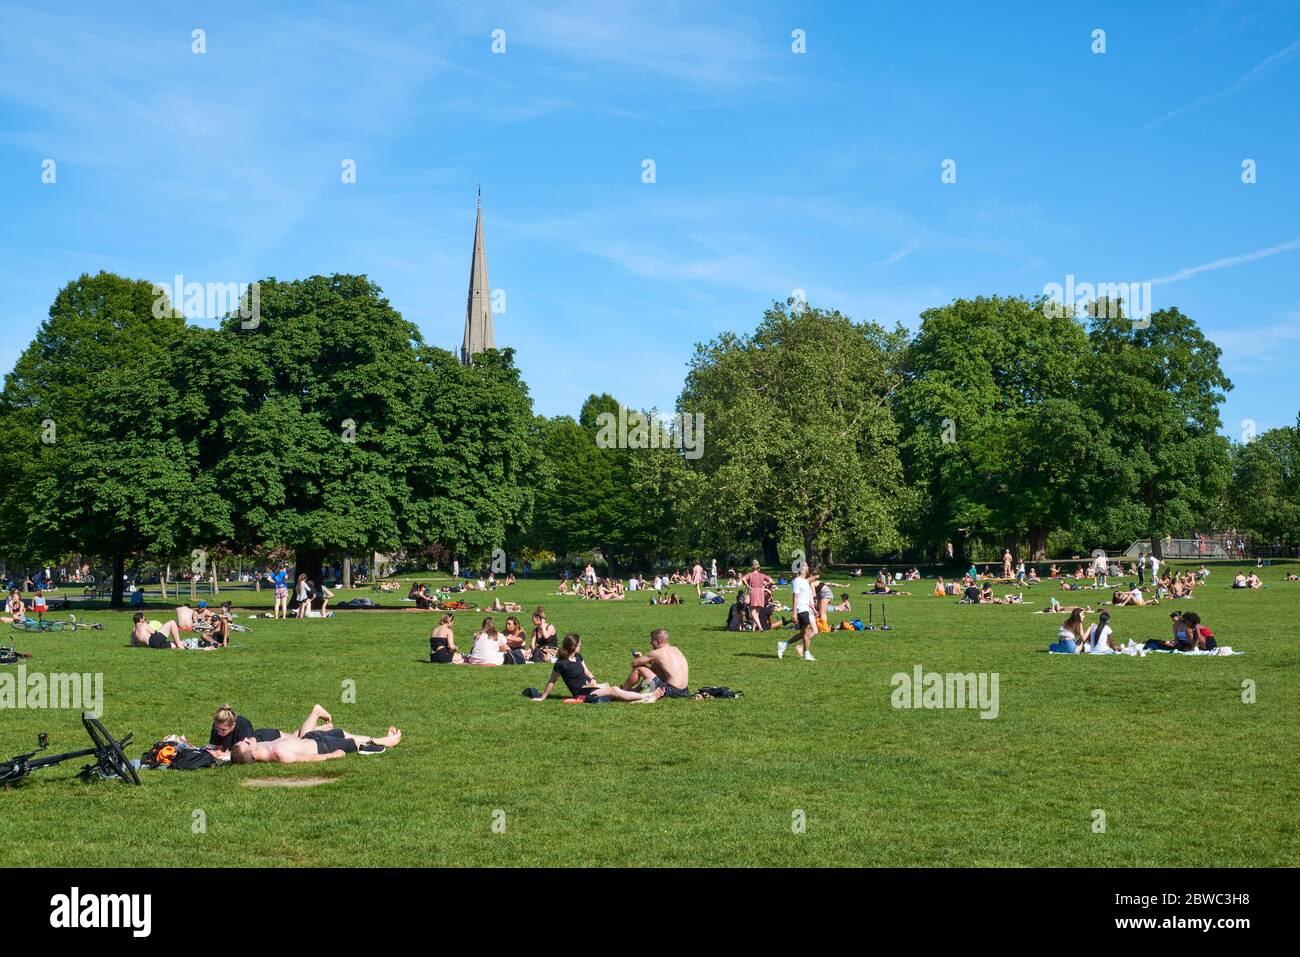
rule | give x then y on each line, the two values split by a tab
110	751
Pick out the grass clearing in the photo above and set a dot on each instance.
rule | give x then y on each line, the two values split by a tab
1186	773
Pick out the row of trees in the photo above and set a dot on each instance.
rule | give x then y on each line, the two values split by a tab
323	425
999	424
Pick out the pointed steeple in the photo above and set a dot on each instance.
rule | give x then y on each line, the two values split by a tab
478	310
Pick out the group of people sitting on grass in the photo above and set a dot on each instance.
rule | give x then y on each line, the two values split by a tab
1076	637
208	629
509	646
604	589
317	739
1247	581
973	594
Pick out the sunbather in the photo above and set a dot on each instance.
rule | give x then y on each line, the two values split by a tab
155	634
316	740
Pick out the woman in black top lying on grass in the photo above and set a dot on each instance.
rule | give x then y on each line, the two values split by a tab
582	684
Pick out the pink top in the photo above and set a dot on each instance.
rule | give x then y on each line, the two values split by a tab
757	581
699	574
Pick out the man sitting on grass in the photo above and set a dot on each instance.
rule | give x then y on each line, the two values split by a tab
316	740
664	667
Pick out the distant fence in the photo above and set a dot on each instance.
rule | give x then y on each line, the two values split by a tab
1181	548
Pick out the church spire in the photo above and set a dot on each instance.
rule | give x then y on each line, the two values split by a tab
478	310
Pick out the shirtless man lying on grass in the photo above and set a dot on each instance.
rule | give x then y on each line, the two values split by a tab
316	740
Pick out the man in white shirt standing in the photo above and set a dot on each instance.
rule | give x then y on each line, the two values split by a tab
803	613
1155	568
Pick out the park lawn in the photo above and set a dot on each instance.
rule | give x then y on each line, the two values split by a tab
1185	772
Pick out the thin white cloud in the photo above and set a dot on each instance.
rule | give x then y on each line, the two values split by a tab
1225	263
1252	75
903	253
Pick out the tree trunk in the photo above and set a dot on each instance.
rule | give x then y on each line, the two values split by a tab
1038	542
771	550
309	562
347	570
119	571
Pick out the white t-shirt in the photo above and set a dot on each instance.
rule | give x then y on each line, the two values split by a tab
631	584
488	648
1099	646
1155	565
803	596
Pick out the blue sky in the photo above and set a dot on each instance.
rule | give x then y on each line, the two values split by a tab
775	171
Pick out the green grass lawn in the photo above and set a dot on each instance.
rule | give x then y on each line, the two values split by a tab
1186	773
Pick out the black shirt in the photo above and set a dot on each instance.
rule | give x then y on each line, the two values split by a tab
972	594
574	674
243	729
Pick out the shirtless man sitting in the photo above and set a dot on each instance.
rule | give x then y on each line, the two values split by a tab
664	667
316	740
185	618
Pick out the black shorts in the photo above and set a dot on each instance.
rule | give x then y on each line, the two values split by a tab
327	742
159	640
443	656
672	691
805	619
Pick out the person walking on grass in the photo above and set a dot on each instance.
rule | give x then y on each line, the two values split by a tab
803	613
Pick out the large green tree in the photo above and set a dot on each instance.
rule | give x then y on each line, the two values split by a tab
1157	388
1264	496
799	431
336	429
997	442
67	407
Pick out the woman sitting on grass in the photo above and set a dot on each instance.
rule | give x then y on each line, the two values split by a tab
489	646
582	684
1101	638
14	607
564	587
1199	637
1070	638
545	644
517	650
939	590
442	643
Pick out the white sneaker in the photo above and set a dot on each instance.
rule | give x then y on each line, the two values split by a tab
780	648
807	656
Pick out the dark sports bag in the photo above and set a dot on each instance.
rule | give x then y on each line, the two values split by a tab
192	759
717	693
